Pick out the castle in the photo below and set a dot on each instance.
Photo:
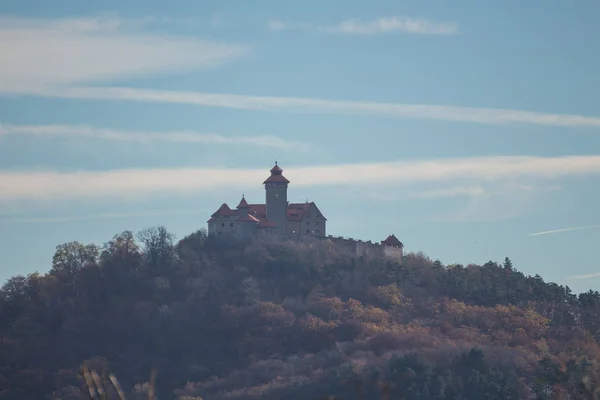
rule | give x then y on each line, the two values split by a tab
277	216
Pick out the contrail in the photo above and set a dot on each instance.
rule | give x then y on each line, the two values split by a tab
576	228
586	276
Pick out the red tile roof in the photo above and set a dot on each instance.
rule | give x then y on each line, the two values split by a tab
224	210
243	203
296	211
392	240
276	179
259	209
276	176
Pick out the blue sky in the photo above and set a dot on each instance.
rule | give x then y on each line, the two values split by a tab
463	127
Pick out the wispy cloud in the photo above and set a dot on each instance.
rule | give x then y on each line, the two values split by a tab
498	201
374	27
575	228
453	191
391	195
19	185
83	131
86	217
586	276
43	53
299	104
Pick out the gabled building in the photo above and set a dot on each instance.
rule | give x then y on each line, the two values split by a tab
276	216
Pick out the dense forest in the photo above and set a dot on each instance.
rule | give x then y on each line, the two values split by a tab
283	319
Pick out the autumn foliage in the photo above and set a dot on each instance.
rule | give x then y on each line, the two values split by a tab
290	320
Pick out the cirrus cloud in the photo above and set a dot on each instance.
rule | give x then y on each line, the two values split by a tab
127	183
89	132
42	53
376	26
476	115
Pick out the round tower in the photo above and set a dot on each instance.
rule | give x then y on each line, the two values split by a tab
276	199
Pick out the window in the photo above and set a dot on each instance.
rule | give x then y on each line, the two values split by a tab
308	231
222	224
318	231
231	224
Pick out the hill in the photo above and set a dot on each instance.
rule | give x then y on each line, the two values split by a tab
290	320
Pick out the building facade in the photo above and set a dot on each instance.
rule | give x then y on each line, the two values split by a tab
277	216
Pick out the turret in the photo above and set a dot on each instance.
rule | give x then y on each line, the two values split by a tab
243	208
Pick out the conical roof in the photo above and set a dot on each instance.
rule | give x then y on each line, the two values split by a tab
243	203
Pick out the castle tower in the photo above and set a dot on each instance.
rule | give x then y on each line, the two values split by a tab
276	199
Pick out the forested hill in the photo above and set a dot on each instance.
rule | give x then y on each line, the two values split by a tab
290	320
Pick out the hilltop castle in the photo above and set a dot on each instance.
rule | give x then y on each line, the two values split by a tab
277	216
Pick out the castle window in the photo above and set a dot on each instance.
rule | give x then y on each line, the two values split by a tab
308	231
222	224
231	224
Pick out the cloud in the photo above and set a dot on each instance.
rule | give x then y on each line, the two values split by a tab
38	220
83	131
498	201
44	53
403	193
299	104
576	228
374	27
453	191
129	183
586	276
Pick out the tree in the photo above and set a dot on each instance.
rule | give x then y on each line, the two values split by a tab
71	257
158	246
122	249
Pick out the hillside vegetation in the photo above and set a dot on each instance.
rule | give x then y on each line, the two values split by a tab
290	320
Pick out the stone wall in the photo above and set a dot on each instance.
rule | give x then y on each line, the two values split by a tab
362	248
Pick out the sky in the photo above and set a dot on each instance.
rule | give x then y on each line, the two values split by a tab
469	129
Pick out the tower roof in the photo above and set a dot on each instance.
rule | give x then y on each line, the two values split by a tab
276	176
243	203
392	240
276	169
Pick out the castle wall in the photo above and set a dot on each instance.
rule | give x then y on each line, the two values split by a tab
360	248
246	229
313	222
293	228
394	252
223	225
